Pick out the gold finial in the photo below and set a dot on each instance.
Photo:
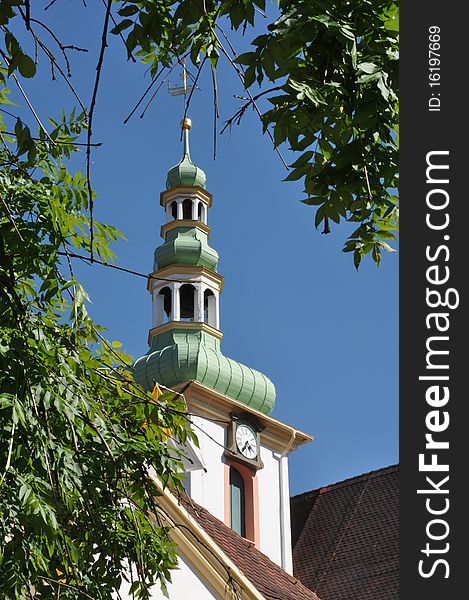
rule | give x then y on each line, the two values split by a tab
186	123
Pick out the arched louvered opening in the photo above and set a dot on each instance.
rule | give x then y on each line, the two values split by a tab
162	304
166	294
237	502
187	296
174	209
199	211
187	209
210	308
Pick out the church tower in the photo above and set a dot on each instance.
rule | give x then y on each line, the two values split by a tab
240	471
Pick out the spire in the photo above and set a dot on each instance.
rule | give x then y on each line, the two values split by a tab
185	173
185	335
186	125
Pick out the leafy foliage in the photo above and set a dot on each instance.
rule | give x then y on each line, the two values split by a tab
74	492
338	67
79	437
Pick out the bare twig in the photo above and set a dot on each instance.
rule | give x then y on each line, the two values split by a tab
23	93
95	145
188	101
129	52
365	170
11	219
156	91
66	79
77	48
216	114
252	99
28	14
10	450
55	38
152	82
77	589
239	113
118	268
51	3
227	40
99	67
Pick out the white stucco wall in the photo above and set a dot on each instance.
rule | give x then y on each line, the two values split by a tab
269	506
185	583
207	488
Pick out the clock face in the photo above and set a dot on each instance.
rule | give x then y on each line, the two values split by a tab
246	441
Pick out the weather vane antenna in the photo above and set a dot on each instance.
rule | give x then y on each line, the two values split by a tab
184	89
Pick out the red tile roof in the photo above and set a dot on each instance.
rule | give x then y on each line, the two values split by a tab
346	537
271	581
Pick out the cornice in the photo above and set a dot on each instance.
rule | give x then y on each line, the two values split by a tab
191	325
184	223
197	271
279	436
190	191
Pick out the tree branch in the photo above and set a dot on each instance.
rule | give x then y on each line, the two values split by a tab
99	67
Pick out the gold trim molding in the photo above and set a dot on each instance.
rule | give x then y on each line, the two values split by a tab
192	325
276	435
196	271
193	191
184	223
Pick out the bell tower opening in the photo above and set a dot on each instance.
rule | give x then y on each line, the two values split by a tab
166	294
187	209
187	296
162	305
210	308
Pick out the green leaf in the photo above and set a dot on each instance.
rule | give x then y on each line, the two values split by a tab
249	76
248	58
268	64
297	173
128	11
124	24
26	66
367	67
386	246
357	259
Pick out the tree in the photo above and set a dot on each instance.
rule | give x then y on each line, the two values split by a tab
79	435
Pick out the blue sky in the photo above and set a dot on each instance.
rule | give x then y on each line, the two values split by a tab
293	305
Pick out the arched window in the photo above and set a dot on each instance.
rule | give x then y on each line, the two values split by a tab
187	209
174	209
162	306
186	299
166	294
210	308
199	211
237	502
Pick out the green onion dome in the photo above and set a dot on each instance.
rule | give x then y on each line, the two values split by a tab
185	173
181	355
186	246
